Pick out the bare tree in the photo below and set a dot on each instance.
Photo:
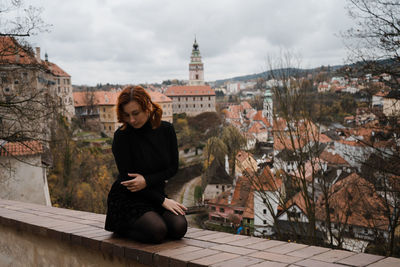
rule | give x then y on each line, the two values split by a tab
375	42
15	24
27	103
234	141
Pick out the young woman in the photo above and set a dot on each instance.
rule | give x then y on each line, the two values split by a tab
146	153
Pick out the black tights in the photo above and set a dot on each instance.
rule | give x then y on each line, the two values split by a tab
152	227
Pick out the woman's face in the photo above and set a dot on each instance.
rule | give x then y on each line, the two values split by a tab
134	115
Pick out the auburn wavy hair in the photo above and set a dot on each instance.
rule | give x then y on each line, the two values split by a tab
138	94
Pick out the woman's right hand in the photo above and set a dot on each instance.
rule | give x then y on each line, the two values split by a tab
173	206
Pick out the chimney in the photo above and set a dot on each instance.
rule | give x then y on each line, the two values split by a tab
38	54
17	56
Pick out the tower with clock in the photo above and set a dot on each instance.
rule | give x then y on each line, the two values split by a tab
196	69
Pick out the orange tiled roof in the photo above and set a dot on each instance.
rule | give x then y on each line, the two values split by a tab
231	115
249	207
266	181
242	191
55	70
81	99
25	148
259	117
245	105
157	97
299	201
257	128
351	200
242	156
11	52
189	90
333	158
251	113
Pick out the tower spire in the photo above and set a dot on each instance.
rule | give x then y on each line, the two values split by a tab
196	70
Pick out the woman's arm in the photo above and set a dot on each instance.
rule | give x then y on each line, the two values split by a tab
159	177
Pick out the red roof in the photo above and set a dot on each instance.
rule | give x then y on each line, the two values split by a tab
351	200
257	128
55	70
14	53
82	99
189	90
21	148
249	207
158	97
333	158
245	105
259	117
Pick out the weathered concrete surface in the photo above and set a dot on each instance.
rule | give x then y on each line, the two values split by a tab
23	249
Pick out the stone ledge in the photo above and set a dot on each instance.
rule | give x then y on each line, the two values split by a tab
198	248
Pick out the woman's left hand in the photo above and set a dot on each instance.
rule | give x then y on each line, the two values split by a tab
136	184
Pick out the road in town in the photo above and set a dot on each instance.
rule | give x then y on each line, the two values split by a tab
186	197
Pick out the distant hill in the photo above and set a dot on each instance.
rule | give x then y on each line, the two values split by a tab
358	69
287	71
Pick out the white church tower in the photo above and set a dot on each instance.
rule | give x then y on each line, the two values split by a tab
196	69
268	106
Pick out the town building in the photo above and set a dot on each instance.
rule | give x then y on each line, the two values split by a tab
391	104
196	67
24	73
23	174
165	103
196	97
98	109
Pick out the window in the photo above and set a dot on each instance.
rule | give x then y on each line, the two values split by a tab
201	98
109	127
264	211
264	201
186	99
104	109
265	221
59	89
223	188
221	209
248	220
209	98
217	186
186	105
197	76
179	99
194	99
213	208
194	105
201	105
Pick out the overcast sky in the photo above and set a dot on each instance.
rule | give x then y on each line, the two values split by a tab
132	41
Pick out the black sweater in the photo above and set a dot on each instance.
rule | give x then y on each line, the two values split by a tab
152	153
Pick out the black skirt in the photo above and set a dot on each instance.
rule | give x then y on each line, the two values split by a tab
124	208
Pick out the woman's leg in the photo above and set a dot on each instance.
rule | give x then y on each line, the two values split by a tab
176	224
149	228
